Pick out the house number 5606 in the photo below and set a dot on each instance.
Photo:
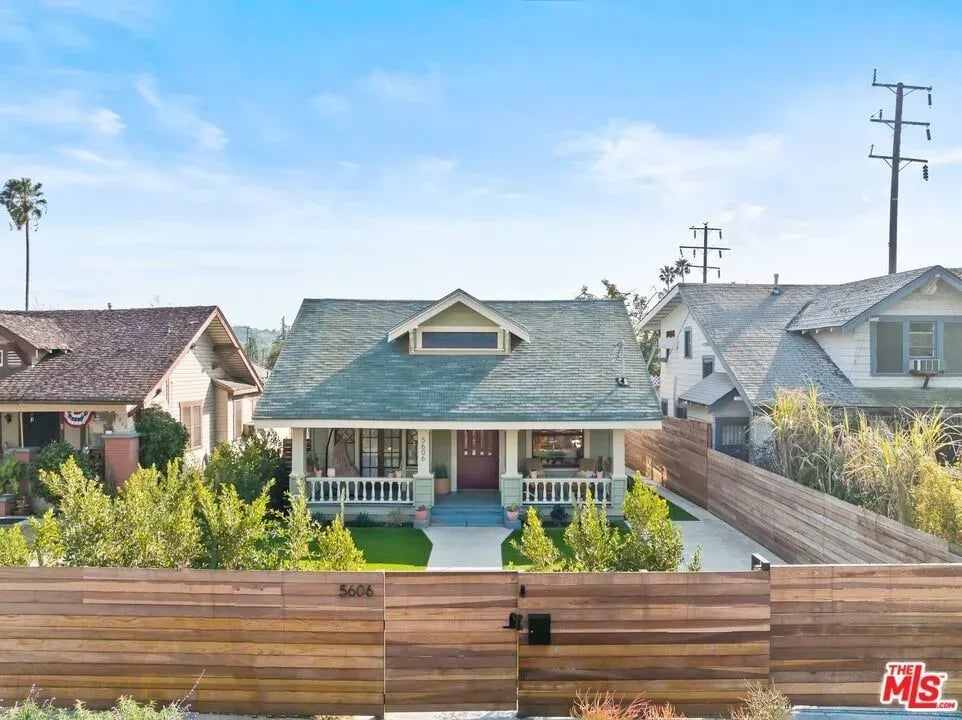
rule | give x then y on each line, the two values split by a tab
356	591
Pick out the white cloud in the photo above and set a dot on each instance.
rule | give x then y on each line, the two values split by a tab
177	113
331	104
434	165
402	87
65	110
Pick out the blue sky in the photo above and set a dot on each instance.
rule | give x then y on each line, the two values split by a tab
252	154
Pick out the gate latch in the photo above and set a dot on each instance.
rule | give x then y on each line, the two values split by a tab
515	622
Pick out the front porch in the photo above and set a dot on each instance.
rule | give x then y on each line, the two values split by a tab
378	471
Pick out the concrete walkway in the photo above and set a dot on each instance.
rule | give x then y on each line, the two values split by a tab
723	547
466	548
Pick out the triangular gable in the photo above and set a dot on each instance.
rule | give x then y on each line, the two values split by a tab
930	277
469	301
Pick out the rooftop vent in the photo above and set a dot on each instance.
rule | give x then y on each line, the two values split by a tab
776	290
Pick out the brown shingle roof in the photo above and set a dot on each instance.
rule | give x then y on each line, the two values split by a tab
40	331
114	355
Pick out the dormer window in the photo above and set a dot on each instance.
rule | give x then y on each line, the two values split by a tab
456	340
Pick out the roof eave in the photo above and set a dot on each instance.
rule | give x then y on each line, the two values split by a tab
664	306
447	301
936	272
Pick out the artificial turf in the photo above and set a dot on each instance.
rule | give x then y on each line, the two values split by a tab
384	548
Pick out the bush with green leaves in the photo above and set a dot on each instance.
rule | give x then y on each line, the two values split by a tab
125	709
595	543
248	464
336	549
536	545
162	437
937	497
296	532
14	550
46	546
234	533
50	459
653	541
11	470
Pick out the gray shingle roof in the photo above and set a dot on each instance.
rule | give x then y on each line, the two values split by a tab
835	305
746	325
115	355
338	364
709	390
40	331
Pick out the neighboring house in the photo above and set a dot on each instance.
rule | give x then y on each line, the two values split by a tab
392	393
83	375
880	344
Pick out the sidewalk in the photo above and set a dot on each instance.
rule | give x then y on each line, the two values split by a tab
466	548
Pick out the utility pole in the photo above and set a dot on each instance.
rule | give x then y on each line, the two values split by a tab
896	161
704	248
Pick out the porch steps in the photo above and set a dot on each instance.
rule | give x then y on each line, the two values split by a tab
467	516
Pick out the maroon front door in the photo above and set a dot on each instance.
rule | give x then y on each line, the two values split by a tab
477	459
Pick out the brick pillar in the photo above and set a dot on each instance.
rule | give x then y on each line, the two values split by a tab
27	456
121	457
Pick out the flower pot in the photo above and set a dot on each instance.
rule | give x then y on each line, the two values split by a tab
512	515
442	485
421	515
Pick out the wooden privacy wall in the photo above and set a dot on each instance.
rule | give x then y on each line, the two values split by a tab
799	524
268	643
834	628
674	456
803	525
688	638
446	644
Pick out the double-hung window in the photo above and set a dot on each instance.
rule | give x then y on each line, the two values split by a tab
901	344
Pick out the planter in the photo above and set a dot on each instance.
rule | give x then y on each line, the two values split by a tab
512	515
421	514
442	486
8	504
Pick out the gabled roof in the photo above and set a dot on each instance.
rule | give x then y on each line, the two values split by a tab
709	389
458	296
35	330
114	356
338	364
849	304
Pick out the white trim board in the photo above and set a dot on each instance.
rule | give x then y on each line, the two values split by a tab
458	296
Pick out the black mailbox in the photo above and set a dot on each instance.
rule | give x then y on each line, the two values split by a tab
539	629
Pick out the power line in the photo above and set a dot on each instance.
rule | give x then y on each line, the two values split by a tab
896	160
704	248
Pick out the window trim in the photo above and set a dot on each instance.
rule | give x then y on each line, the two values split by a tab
688	343
503	346
1	358
189	406
557	432
906	321
707	359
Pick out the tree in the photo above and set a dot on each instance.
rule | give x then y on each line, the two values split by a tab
248	464
24	201
667	276
654	542
272	352
234	533
682	268
536	545
162	438
595	543
251	350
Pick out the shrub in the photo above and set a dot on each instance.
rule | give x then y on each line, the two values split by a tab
608	706
11	471
395	518
234	533
155	512
653	541
298	531
126	709
47	546
248	464
763	703
559	516
938	502
14	551
363	519
89	533
694	564
162	438
536	545
50	459
595	544
336	548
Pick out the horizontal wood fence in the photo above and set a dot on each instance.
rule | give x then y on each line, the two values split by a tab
279	643
691	639
799	524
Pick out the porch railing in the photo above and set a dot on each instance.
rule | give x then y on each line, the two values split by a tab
392	491
563	491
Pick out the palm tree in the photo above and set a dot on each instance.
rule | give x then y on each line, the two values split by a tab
25	203
682	267
667	275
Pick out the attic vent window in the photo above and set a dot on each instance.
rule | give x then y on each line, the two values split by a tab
459	340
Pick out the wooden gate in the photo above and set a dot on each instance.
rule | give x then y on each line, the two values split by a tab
446	647
691	639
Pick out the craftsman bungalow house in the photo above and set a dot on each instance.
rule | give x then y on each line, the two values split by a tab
83	375
521	402
882	344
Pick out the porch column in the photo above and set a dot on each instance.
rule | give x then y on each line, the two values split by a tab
511	480
619	477
298	460
424	479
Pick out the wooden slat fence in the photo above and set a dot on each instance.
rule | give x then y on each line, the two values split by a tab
271	643
674	457
688	638
834	628
799	524
446	644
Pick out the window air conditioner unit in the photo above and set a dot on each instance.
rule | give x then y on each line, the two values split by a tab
926	366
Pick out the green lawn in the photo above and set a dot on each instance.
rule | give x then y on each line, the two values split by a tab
384	548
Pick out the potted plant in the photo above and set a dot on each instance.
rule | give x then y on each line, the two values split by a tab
10	471
421	513
442	481
512	512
